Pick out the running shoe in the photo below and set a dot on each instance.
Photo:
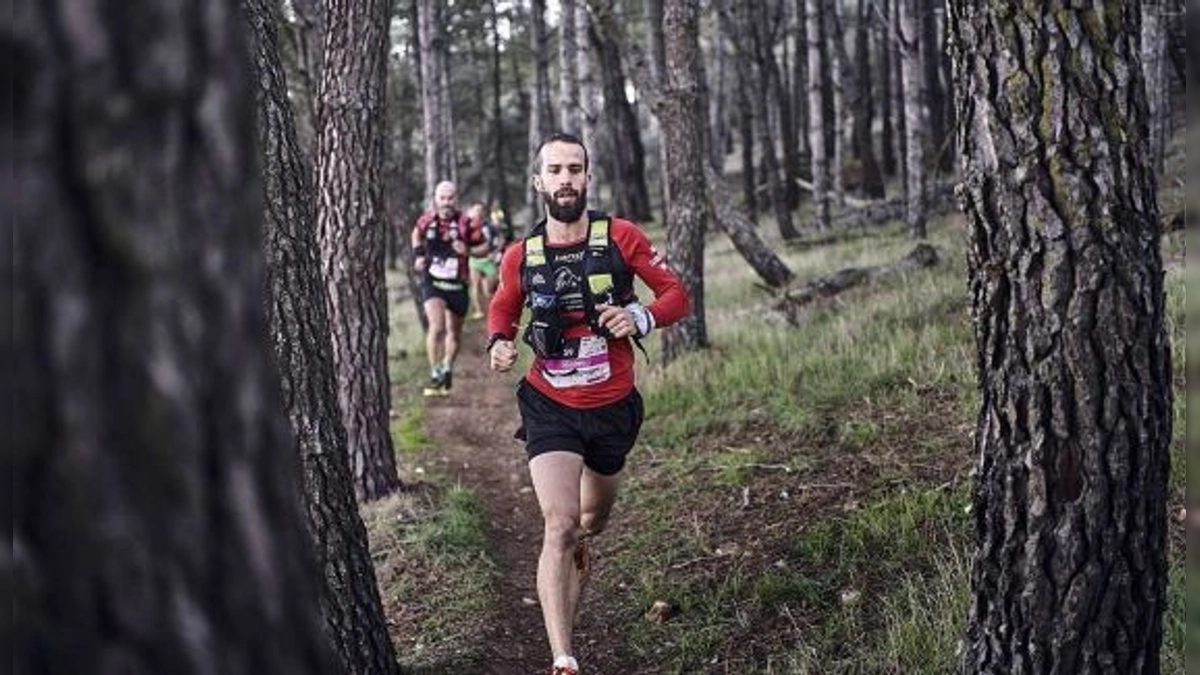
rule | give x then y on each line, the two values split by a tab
438	385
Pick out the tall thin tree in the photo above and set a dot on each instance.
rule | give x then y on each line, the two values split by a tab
156	521
350	232
764	67
299	321
835	46
682	118
568	70
541	121
813	12
916	119
871	185
437	119
1066	283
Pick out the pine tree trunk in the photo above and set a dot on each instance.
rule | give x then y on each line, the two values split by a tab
915	119
787	128
816	114
871	186
1153	49
157	524
837	165
886	132
899	139
296	311
1066	281
935	94
568	70
435	96
350	232
630	194
589	95
745	118
307	36
541	120
763	82
682	121
800	84
498	178
718	102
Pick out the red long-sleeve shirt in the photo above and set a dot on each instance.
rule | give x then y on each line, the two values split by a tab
670	304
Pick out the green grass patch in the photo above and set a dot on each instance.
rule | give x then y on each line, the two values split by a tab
435	573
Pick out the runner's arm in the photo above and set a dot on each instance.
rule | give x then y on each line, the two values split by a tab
671	302
504	314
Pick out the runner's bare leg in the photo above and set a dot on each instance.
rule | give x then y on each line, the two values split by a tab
556	481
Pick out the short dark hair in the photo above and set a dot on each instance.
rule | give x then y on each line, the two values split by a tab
558	137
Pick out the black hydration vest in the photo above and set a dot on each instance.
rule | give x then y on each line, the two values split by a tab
606	281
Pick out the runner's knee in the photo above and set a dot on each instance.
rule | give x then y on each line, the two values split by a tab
562	531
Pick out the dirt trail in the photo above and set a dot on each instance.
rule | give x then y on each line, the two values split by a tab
473	429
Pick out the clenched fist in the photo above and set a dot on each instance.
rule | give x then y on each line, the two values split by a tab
503	355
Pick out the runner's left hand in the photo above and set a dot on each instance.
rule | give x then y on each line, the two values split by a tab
617	320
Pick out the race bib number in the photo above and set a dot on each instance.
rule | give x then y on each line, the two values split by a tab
444	268
586	364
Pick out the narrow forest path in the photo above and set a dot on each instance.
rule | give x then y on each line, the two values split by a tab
473	432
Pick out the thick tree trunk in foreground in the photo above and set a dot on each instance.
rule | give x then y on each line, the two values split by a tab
296	311
350	231
157	525
682	120
1066	281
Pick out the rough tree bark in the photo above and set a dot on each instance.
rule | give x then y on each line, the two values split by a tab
307	38
156	522
350	232
682	119
1066	282
1153	50
299	322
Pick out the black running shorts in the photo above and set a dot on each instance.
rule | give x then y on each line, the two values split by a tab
453	293
604	435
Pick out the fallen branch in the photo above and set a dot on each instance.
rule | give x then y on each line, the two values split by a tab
795	300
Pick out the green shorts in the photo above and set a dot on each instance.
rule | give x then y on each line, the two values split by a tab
485	266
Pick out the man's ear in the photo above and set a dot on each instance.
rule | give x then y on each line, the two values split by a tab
537	183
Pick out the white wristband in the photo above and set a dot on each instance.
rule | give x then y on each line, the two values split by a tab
642	318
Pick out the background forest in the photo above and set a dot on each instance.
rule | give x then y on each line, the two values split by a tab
928	414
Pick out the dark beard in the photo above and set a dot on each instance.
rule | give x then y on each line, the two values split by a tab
566	213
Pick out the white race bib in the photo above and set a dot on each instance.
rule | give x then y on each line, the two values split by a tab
444	268
590	365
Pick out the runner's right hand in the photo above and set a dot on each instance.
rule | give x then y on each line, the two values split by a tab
419	264
503	355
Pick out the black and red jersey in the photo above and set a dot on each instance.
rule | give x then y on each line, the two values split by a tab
566	267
